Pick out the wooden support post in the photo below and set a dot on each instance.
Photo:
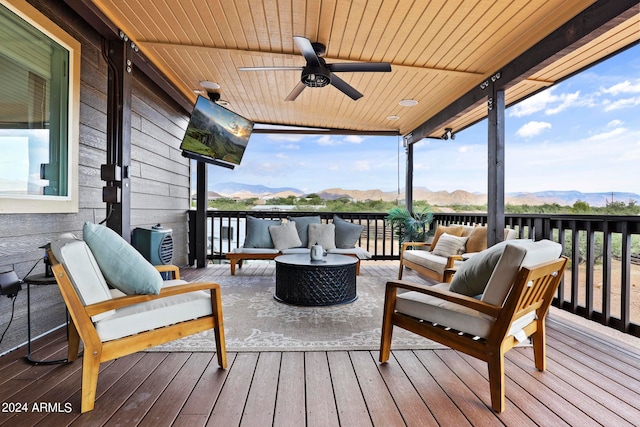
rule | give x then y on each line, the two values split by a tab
118	54
202	203
495	193
408	191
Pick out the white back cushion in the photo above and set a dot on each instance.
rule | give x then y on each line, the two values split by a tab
518	253
83	271
501	279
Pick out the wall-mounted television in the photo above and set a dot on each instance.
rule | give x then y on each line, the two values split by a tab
216	135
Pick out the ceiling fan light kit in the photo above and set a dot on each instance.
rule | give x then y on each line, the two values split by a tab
317	73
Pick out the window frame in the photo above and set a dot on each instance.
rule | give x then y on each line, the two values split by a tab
48	203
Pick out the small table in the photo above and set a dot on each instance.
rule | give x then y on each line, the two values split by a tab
38	279
301	281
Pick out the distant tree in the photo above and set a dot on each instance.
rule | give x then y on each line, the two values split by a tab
580	207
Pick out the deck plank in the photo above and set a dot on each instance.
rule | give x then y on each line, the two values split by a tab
167	407
321	404
259	410
590	380
352	409
290	409
233	396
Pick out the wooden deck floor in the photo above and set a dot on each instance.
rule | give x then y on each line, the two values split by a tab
591	380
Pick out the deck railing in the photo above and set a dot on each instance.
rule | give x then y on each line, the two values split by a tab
601	282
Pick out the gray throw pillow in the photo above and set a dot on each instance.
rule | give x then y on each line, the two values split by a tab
472	276
284	236
323	235
302	225
347	233
258	235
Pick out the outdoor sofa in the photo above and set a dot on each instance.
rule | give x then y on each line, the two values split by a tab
266	239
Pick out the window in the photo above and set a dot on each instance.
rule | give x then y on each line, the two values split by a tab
39	65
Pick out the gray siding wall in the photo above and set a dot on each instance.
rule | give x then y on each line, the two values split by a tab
159	184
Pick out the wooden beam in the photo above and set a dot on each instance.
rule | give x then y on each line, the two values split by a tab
583	28
408	190
495	191
202	203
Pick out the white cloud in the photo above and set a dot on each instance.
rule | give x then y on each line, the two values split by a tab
282	156
534	104
622	103
550	103
606	136
566	100
532	128
354	139
615	123
291	147
328	140
624	87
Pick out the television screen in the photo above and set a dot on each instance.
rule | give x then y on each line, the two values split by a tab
216	135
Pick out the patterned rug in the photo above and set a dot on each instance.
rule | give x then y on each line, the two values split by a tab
255	321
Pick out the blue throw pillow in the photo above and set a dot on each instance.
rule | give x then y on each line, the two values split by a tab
302	225
347	233
121	264
258	235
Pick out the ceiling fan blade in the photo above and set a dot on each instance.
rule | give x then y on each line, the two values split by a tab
345	88
306	48
360	67
268	68
295	92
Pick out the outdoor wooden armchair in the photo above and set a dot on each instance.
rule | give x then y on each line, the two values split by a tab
487	328
105	339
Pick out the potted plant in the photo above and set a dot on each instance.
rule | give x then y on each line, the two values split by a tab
410	227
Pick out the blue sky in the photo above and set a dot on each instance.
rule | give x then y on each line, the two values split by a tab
582	134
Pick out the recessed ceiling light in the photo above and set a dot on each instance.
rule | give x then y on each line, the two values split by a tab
209	85
223	102
408	102
393	117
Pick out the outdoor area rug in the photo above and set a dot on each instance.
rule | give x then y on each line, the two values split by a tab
255	321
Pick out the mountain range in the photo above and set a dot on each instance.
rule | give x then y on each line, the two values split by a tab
436	198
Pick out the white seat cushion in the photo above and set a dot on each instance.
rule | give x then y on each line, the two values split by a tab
155	314
460	318
426	259
359	252
243	250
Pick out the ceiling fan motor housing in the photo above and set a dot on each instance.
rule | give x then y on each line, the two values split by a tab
316	76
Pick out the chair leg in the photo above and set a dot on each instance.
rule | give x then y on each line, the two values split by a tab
539	342
73	342
90	369
400	270
387	324
495	362
221	349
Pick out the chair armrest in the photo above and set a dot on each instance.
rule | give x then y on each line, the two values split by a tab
405	245
452	259
128	300
453	297
169	268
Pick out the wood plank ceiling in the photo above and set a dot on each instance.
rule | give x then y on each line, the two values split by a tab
438	51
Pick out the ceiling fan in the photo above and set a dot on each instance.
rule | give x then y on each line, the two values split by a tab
317	73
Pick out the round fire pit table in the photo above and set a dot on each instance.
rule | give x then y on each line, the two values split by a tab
301	281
